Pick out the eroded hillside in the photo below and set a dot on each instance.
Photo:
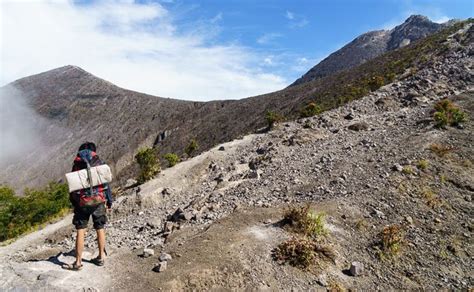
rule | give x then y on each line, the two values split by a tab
372	163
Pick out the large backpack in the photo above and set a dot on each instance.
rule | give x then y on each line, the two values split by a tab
94	195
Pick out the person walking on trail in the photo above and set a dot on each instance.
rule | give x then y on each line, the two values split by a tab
89	202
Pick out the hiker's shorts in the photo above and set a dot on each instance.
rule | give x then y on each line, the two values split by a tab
82	215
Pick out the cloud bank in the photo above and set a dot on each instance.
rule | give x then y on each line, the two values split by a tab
138	46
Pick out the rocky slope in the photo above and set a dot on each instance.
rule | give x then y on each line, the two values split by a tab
80	106
372	44
216	214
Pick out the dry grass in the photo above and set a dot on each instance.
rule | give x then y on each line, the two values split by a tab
408	170
391	240
302	252
422	164
431	198
441	150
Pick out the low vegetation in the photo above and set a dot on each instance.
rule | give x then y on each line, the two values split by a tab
172	159
191	148
304	249
422	164
311	109
431	198
407	169
305	221
345	86
302	252
20	214
448	114
273	118
149	164
440	150
391	240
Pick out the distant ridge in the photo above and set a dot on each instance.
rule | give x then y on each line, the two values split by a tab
372	44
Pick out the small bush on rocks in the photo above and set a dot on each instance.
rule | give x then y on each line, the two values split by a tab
192	147
391	239
302	252
448	114
431	198
272	118
311	109
304	221
440	150
149	164
172	159
422	164
408	169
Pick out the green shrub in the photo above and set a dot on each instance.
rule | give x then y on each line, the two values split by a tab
272	118
311	109
375	82
192	147
448	114
304	221
149	164
172	159
408	170
21	214
422	164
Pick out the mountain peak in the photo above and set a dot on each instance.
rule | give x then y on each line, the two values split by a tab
416	18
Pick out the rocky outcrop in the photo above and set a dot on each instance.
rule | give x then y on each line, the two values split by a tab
372	44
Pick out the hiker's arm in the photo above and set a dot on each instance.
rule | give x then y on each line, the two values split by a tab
108	196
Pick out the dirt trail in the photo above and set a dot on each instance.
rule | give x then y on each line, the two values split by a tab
30	263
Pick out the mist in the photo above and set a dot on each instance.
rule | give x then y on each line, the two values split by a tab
20	126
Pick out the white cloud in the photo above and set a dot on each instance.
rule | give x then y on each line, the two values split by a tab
268	38
217	18
296	20
135	46
441	19
303	64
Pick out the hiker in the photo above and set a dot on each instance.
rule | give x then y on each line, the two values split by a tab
87	205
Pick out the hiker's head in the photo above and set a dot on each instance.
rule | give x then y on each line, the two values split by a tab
87	145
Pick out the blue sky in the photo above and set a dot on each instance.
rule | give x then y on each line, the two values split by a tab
197	50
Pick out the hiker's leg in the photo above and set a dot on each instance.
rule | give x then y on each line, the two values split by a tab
80	245
101	242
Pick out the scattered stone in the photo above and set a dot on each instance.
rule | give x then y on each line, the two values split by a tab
409	220
255	174
397	167
357	269
130	183
154	223
180	216
161	267
322	280
222	148
267	221
361	126
349	116
377	213
148	252
169	226
165	257
261	151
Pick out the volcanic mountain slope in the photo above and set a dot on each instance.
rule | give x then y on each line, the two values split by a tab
120	121
372	44
374	162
